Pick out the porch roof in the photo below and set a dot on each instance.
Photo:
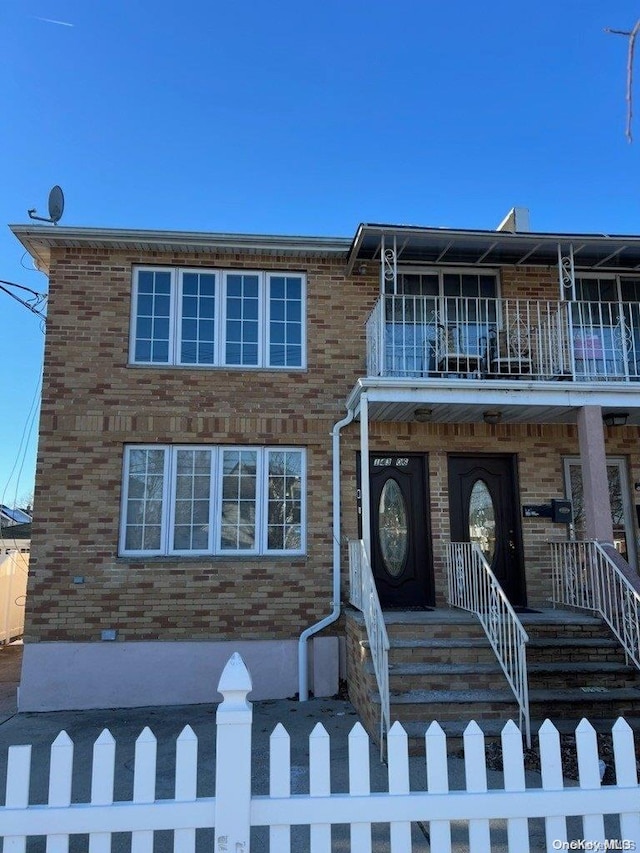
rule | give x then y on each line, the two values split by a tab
449	246
465	401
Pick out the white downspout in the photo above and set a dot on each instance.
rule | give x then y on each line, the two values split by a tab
303	686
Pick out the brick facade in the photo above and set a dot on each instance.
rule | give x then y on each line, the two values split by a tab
94	403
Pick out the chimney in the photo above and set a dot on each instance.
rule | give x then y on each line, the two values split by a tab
516	220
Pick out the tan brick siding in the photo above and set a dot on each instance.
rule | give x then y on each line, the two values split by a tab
94	403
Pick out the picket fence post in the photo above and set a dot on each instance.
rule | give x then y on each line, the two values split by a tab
233	759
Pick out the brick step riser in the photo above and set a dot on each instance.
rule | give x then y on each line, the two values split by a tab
439	632
449	657
475	631
401	682
485	655
574	655
559	681
453	713
453	657
561	710
452	681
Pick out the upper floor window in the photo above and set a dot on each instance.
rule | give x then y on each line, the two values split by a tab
607	288
219	318
446	283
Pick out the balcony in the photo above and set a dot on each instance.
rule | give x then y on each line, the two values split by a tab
477	338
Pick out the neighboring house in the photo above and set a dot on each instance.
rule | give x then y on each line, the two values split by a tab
15	537
15	544
222	412
10	516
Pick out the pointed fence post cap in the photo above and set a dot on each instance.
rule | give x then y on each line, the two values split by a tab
235	683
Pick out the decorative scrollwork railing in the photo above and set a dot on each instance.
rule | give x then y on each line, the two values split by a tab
474	587
587	577
364	597
433	337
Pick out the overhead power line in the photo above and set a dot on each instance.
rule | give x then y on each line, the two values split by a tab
35	303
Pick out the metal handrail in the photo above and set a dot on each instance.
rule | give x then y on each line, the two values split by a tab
363	595
474	587
585	576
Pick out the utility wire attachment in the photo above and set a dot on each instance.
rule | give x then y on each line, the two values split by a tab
631	35
35	303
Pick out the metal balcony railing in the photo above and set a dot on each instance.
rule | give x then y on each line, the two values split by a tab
432	337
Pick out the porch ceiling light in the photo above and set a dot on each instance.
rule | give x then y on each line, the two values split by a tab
612	419
422	415
492	416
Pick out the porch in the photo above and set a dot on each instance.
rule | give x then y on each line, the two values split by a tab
578	656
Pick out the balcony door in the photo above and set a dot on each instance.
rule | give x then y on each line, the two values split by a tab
400	530
438	320
484	507
605	324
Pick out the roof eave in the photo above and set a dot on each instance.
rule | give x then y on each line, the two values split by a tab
38	240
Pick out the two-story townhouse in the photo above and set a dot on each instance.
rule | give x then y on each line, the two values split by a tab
223	414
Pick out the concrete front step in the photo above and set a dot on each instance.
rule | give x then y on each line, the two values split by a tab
581	674
569	703
572	649
432	676
415	676
576	669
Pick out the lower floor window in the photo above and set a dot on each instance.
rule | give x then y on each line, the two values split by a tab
213	500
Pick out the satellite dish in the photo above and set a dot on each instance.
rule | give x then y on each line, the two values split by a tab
56	207
56	204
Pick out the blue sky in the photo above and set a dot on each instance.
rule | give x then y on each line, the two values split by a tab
301	118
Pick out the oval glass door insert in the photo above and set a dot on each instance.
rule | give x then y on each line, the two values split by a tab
392	528
482	519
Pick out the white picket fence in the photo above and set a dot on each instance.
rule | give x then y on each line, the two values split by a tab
235	810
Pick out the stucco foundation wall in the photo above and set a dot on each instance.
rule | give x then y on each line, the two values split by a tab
67	676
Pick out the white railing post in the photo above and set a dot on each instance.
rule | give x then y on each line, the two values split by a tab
364	596
233	760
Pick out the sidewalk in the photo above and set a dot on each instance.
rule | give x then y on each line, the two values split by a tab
337	716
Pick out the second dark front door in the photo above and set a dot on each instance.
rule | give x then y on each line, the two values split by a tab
484	507
400	555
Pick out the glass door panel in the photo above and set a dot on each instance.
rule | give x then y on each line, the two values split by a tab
623	529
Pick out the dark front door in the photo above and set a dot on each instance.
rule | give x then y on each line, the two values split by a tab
484	507
400	556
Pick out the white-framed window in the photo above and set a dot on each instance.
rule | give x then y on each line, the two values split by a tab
218	318
213	499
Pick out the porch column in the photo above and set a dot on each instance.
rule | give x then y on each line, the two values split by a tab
595	485
364	473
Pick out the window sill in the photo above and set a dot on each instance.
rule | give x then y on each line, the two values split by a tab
209	558
232	368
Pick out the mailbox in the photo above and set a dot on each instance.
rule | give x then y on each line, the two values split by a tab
561	511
